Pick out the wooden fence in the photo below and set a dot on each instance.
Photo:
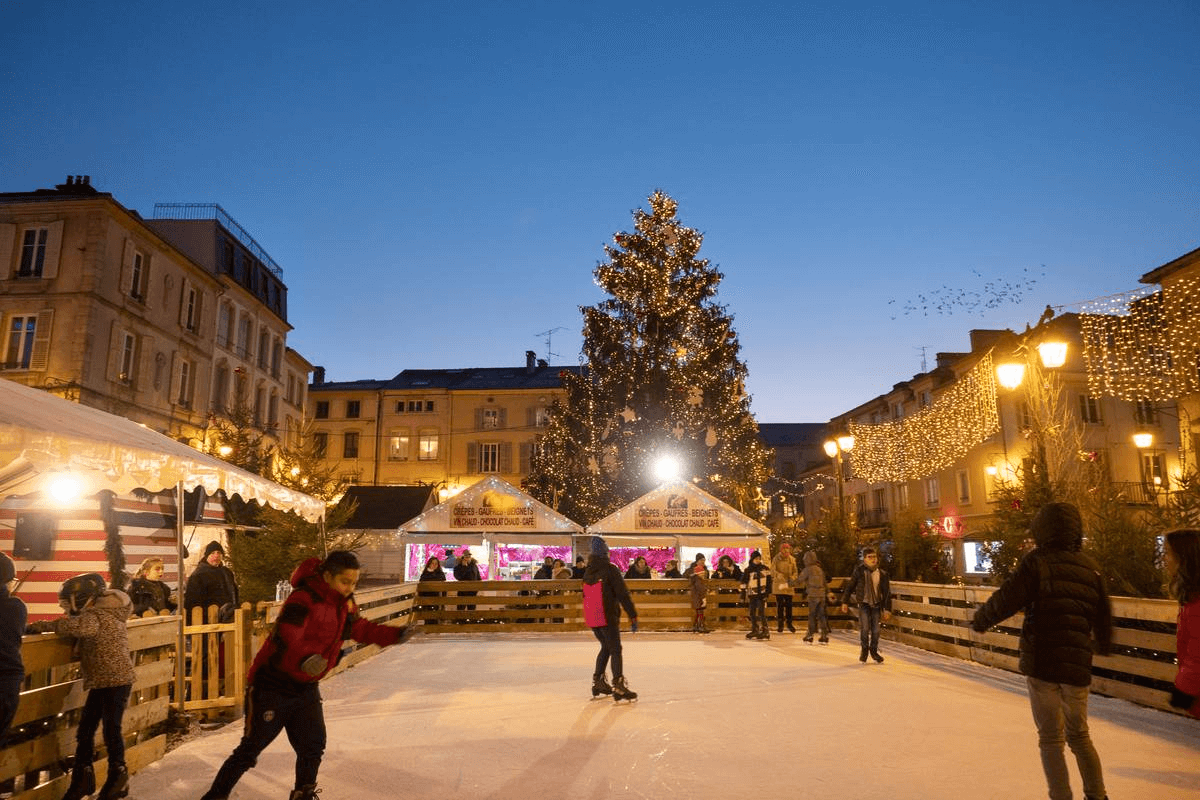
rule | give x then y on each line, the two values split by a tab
1141	667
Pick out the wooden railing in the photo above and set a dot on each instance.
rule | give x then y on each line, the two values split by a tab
42	736
1141	667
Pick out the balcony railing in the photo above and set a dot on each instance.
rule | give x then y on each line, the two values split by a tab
872	518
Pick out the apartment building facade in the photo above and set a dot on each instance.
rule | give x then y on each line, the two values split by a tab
132	316
445	427
963	434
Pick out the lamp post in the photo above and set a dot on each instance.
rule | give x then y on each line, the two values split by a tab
1010	375
834	448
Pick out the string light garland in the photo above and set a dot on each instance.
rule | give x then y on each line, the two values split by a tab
933	438
1143	345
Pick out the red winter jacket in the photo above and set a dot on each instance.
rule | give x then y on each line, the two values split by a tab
314	620
1187	652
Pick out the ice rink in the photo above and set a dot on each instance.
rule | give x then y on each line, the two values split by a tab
482	717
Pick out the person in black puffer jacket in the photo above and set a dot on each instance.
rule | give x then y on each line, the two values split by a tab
1066	610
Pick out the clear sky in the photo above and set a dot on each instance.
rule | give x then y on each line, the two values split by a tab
438	179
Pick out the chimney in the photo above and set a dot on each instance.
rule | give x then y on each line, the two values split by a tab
318	376
530	362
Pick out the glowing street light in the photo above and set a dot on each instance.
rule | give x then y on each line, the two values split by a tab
1143	439
666	468
1010	375
834	448
1053	354
65	489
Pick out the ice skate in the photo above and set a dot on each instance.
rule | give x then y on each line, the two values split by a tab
791	628
117	784
824	639
620	691
83	783
600	685
753	634
308	792
862	656
808	638
875	655
763	634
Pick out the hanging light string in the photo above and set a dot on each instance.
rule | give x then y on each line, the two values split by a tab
933	438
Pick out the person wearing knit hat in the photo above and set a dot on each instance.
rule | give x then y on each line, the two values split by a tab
604	595
212	584
12	626
756	588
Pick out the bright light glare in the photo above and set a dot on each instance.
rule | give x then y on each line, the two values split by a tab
1010	375
1054	354
224	450
65	489
1143	440
666	468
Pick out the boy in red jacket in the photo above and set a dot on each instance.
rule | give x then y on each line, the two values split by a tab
304	645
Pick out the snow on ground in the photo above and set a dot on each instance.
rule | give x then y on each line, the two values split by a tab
490	717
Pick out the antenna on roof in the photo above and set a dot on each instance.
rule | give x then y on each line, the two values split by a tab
550	335
924	363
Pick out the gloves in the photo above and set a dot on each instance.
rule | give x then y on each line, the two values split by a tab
1180	699
314	665
633	624
41	626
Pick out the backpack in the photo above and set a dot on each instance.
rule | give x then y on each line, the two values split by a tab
593	605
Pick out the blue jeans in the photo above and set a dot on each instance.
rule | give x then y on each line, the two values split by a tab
1060	714
105	705
818	621
610	649
267	713
868	627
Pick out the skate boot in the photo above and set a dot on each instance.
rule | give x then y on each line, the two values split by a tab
824	638
600	685
621	691
116	785
83	783
875	655
308	792
791	628
808	638
862	656
701	627
753	634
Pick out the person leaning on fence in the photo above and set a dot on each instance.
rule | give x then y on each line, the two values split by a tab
756	588
815	584
12	626
639	570
604	595
872	590
147	590
466	569
96	618
1181	557
431	573
698	595
212	584
1067	617
727	570
304	644
783	568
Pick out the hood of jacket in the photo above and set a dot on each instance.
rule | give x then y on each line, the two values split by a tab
1058	526
306	572
597	567
810	558
115	602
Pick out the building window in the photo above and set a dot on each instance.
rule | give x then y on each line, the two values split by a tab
489	457
963	480
878	502
350	445
924	399
186	377
491	418
541	417
932	492
321	410
128	358
245	324
414	406
191	308
398	447
276	358
1145	412
320	444
224	325
1089	409
901	495
260	406
353	409
221	388
1154	471
21	332
137	283
427	447
897	410
33	253
264	348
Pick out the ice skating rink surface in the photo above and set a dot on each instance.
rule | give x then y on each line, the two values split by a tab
487	717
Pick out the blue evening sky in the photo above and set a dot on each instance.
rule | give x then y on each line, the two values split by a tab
438	179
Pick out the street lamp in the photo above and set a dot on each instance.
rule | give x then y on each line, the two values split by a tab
1011	374
834	449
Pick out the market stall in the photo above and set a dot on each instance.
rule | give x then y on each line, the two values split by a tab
508	531
676	521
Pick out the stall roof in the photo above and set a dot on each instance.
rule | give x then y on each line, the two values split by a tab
387	507
682	511
492	509
41	433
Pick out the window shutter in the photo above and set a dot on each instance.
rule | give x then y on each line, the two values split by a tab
530	417
501	417
145	287
114	351
39	357
506	458
8	235
526	457
184	287
53	249
472	457
479	419
127	269
176	378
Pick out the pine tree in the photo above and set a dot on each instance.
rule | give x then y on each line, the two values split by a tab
662	378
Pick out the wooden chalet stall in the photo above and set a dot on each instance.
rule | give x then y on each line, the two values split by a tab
681	516
71	471
493	518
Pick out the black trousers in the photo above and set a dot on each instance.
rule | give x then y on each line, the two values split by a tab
105	705
267	713
610	649
783	610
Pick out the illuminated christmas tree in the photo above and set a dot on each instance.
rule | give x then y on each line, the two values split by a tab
662	379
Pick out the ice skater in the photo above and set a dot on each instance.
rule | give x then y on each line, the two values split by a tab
1067	617
604	595
756	588
816	589
303	646
1181	557
870	586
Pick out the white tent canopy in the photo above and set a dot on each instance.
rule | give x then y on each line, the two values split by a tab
491	509
41	434
681	513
